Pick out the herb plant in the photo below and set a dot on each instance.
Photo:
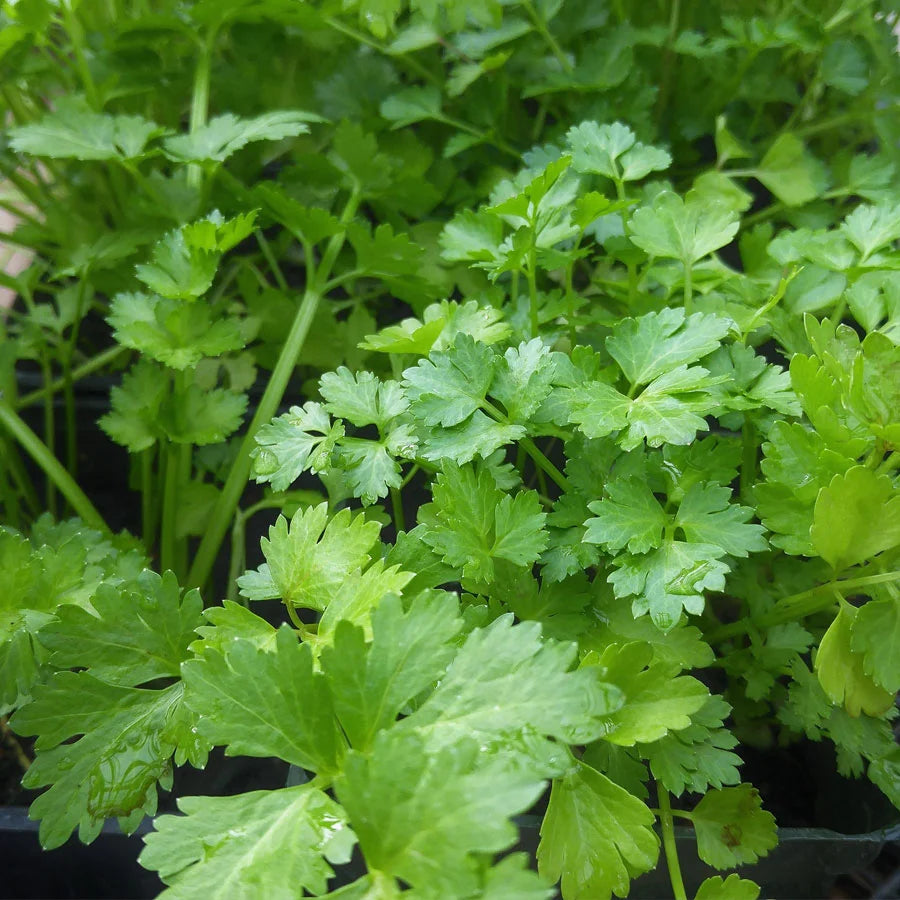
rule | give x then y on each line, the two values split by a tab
563	353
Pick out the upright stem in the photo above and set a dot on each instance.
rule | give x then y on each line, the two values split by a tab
200	101
167	542
541	461
532	292
76	35
671	851
51	466
397	505
542	29
688	289
223	512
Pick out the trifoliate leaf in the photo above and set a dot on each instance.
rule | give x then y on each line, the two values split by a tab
265	703
595	836
479	435
686	230
270	843
447	388
201	417
657	699
697	757
307	561
732	827
178	270
524	379
841	670
705	515
871	227
670	579
629	516
136	403
362	399
409	651
309	223
172	332
614	151
225	135
856	517
474	523
733	887
422	816
875	635
74	131
230	621
302	439
660	342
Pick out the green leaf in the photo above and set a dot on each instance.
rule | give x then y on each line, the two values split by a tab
876	636
178	270
696	757
412	104
479	435
733	887
307	561
524	379
362	399
74	131
133	634
225	135
856	517
475	523
732	827
171	332
265	703
125	747
614	151
629	516
841	671
423	816
657	699
449	386
299	440
791	172
706	516
660	342
595	836
686	230
409	651
270	843
506	681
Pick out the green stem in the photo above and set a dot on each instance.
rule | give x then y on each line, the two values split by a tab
671	851
73	27
891	463
542	29
200	101
148	496
541	461
748	460
397	505
223	512
87	368
51	466
798	606
272	262
167	542
688	288
531	275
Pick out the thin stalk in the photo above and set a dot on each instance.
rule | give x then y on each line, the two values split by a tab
76	35
185	463
668	63
272	263
239	474
798	606
200	101
12	741
397	506
51	466
68	384
542	29
485	136
531	275
748	458
148	496
100	361
49	432
688	288
541	461
167	540
671	850
238	555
